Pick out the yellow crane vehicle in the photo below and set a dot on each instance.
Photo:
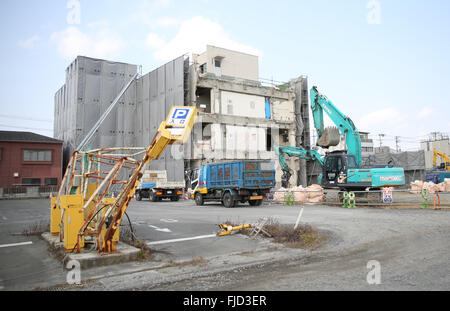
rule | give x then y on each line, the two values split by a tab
445	165
84	211
439	173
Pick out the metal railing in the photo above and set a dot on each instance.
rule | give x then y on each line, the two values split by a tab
395	198
21	191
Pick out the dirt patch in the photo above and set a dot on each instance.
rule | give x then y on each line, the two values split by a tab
127	236
198	261
304	236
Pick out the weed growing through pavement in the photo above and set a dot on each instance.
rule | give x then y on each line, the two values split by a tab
304	236
37	228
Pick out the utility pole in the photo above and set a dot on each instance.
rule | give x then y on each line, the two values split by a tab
381	137
397	139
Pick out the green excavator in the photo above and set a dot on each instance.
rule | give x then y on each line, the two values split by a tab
340	169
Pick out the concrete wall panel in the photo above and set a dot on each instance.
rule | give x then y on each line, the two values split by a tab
238	104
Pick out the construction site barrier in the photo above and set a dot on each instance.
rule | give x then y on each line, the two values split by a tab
401	198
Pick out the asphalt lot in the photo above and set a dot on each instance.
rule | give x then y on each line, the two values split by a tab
412	245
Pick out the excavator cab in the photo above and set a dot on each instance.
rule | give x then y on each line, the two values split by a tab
336	166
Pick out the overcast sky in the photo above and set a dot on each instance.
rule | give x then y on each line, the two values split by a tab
384	63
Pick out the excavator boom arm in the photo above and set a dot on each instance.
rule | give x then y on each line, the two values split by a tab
297	152
345	125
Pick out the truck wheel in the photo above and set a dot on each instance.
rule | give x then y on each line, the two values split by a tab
228	200
174	199
198	199
152	196
138	196
255	202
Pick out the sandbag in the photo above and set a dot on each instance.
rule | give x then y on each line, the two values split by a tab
279	195
299	194
446	185
441	187
315	194
431	187
416	187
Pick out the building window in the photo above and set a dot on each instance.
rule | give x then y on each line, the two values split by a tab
31	181
51	181
268	139
37	155
217	63
203	68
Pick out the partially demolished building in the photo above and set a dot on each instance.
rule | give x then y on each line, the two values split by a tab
240	117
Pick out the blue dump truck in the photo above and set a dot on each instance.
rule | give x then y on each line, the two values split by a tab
232	182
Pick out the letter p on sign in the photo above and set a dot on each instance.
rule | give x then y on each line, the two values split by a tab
179	116
180	113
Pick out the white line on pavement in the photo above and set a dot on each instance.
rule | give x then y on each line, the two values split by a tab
182	239
160	229
16	244
168	220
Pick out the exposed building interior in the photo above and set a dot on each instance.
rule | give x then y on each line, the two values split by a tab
239	116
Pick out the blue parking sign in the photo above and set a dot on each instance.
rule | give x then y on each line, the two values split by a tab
180	113
179	116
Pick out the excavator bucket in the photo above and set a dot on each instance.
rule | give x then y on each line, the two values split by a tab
330	137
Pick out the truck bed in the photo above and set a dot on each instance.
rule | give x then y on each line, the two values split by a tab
245	174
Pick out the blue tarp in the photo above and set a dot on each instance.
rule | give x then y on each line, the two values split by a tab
267	108
148	185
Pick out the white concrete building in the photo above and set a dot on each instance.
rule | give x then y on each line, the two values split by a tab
442	145
239	117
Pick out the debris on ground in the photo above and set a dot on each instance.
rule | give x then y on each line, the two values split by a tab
303	236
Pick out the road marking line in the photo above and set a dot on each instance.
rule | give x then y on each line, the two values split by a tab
168	220
16	244
160	229
182	239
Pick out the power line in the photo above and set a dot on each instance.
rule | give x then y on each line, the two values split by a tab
25	118
27	128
